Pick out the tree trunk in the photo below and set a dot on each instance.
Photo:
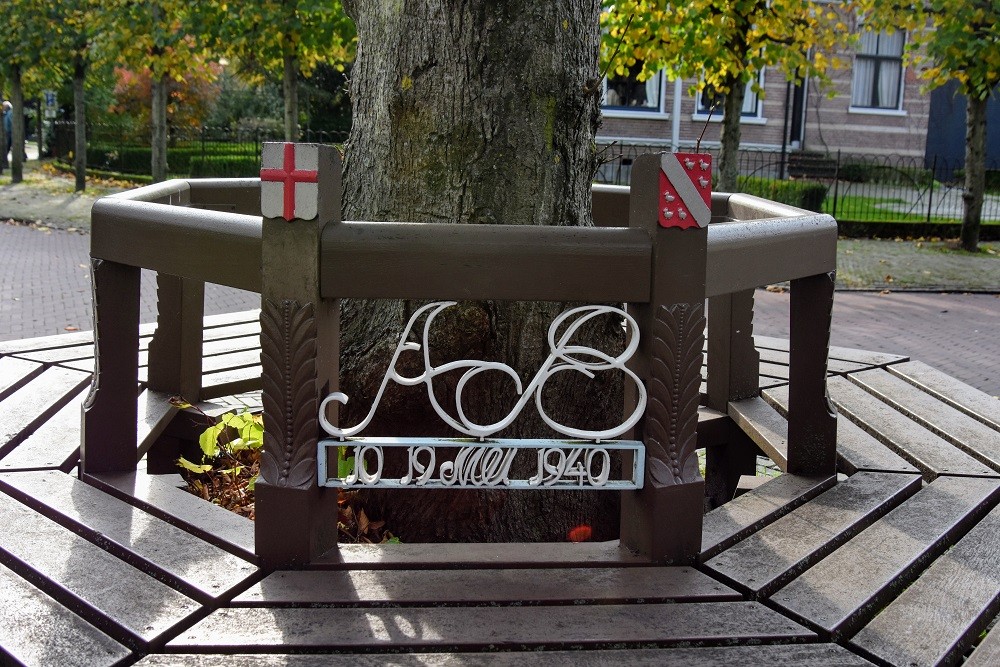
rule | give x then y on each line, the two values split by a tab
80	123
975	172
17	147
158	119
729	152
475	112
291	90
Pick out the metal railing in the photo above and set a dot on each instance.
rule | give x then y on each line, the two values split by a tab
859	188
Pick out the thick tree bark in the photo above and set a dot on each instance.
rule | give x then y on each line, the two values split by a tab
975	172
476	112
80	118
729	152
17	147
290	81
158	120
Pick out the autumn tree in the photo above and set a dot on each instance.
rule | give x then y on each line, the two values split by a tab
73	27
160	35
475	112
953	41
290	37
724	45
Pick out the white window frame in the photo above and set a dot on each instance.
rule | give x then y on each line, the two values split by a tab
756	118
877	58
658	112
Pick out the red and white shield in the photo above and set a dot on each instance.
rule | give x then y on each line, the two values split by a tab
685	190
289	183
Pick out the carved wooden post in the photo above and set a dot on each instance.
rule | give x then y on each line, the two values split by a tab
670	198
176	348
300	194
812	419
108	441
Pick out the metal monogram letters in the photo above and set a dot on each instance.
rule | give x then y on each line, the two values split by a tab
480	464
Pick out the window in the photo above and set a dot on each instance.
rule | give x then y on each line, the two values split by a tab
626	95
878	71
708	99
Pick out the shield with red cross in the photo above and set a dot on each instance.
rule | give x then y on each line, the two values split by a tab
289	183
685	190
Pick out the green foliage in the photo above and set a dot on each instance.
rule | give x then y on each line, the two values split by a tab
802	194
230	459
723	43
239	100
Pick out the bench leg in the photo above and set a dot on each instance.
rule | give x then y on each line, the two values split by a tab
812	419
110	412
176	349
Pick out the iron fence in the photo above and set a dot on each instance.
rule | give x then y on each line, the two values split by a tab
858	188
853	188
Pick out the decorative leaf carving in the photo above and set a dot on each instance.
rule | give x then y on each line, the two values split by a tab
674	391
288	359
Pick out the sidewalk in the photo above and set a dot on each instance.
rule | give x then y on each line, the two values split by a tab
45	287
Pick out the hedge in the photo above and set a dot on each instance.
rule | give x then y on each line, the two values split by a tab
800	193
137	159
225	166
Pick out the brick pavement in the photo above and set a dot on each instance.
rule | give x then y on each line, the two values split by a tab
45	287
956	333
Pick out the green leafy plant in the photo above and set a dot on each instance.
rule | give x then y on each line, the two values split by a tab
230	462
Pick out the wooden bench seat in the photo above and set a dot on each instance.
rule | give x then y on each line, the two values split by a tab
497	628
881	566
777	655
37	630
952	601
170	554
845	590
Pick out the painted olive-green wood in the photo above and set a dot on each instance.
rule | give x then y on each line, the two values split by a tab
726	525
856	449
36	630
929	452
147	542
965	432
935	620
472	262
842	353
162	496
130	605
973	402
748	254
777	553
30	406
846	589
199	245
765	426
54	444
475	628
364	588
777	655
